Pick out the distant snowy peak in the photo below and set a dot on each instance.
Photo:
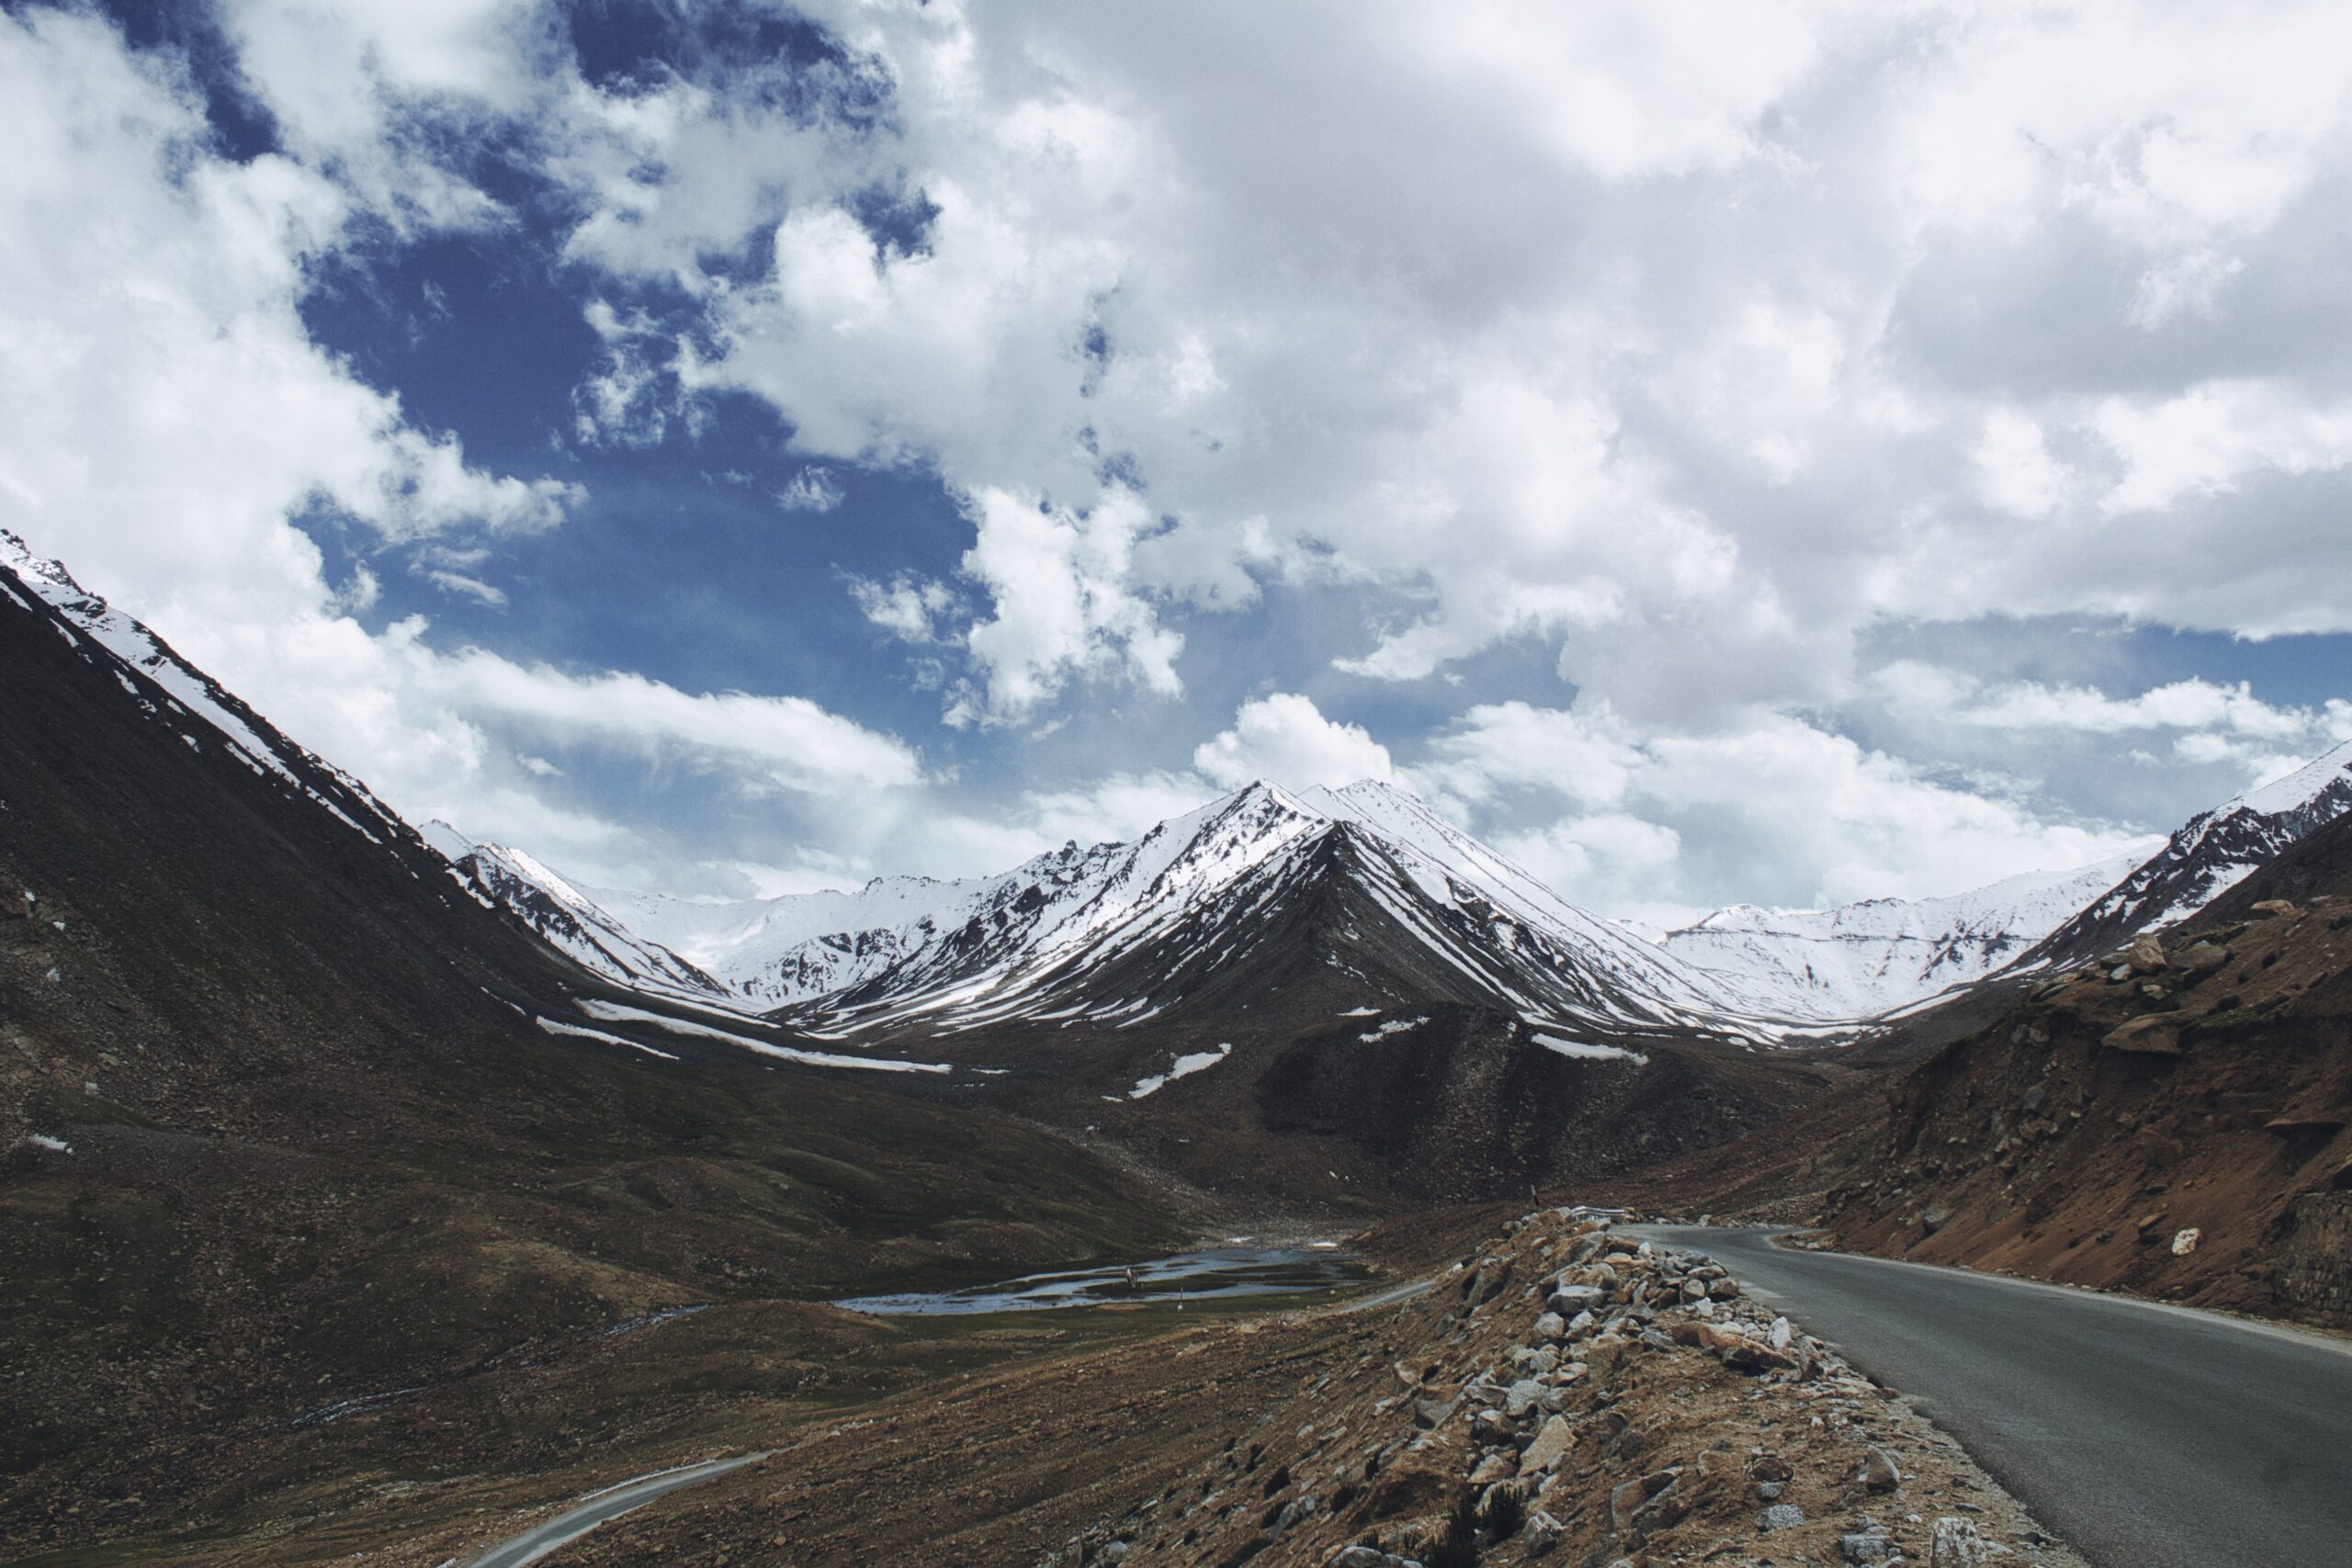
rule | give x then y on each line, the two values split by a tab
564	917
1861	960
1261	890
1119	933
2208	855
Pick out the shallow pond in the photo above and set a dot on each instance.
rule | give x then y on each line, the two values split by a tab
1217	1273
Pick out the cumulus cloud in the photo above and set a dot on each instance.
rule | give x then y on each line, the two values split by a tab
1064	602
1553	417
1689	350
1285	737
811	489
1665	825
2210	723
167	418
2016	470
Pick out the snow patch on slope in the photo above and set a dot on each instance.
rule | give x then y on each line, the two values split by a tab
1184	1066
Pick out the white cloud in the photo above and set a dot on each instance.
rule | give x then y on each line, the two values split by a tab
464	587
2215	724
166	416
1770	810
2014	469
906	607
1285	737
1691	347
811	489
792	741
2205	440
1060	584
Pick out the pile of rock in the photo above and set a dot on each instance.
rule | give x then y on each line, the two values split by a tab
1574	1393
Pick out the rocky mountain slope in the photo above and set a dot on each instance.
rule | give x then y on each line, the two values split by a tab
281	1126
2171	1119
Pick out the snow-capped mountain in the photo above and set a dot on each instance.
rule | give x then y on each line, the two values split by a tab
2208	855
564	917
1118	934
1362	883
1883	954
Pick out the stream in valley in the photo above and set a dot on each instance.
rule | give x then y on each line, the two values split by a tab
1213	1274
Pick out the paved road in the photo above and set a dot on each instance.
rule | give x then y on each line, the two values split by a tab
2146	1435
599	1506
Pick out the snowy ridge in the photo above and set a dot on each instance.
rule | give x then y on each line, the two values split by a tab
1871	958
1185	903
2208	855
1117	935
564	917
193	697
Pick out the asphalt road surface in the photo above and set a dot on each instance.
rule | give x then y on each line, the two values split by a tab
2146	1435
532	1545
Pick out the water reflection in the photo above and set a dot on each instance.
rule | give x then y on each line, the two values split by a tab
1187	1276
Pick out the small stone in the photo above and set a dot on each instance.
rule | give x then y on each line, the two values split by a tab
1522	1397
1494	1467
2183	1242
1552	1440
1540	1532
2146	955
1954	1544
1570	1299
1779	1516
1864	1549
2202	956
2158	1034
2120	974
1878	1472
1665	1509
1779	1335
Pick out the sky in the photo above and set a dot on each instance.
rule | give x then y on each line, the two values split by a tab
1757	453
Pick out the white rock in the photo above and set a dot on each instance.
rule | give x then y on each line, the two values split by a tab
1954	1544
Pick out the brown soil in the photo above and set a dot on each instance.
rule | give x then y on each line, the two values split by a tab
1279	1440
2201	1156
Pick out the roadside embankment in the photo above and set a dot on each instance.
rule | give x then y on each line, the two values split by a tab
1575	1395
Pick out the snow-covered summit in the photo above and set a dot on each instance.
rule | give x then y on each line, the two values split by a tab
1864	959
